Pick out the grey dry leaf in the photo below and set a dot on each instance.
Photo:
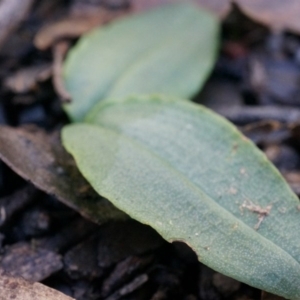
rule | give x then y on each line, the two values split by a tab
20	289
45	163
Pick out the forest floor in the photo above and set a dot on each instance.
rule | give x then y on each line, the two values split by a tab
255	84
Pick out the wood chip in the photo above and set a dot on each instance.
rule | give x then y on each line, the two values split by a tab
35	264
11	204
81	261
123	271
130	287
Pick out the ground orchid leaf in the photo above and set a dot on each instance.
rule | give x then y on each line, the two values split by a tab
193	177
170	50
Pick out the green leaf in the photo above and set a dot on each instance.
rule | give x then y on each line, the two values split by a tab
169	50
193	177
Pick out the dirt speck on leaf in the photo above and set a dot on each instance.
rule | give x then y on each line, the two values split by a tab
262	212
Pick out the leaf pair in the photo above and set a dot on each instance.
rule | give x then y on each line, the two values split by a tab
175	165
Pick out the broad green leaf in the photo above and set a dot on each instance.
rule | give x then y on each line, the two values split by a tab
169	50
193	177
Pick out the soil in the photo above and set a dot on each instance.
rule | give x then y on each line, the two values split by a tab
255	84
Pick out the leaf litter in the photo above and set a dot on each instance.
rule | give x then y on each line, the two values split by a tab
45	163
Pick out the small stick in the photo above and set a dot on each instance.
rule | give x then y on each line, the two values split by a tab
59	51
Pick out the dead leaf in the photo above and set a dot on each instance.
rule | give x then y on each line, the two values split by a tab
73	26
277	14
20	289
218	7
45	163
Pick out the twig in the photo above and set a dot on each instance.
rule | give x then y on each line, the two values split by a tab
129	288
59	51
247	114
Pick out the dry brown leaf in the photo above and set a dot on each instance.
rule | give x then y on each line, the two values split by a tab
73	26
218	7
277	14
20	289
45	163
